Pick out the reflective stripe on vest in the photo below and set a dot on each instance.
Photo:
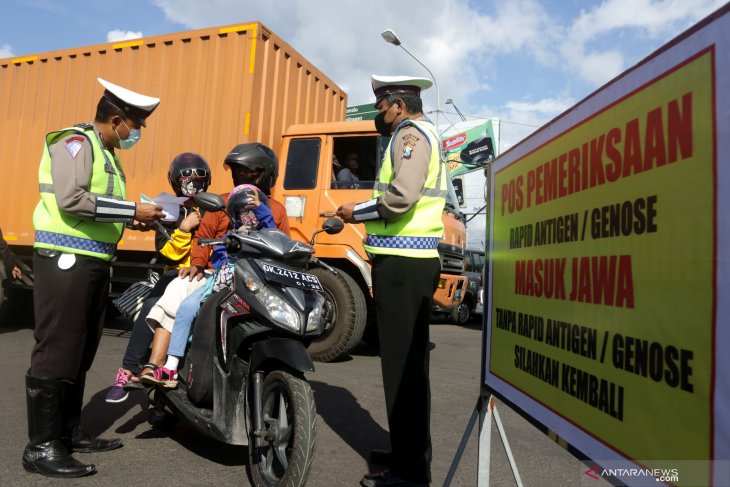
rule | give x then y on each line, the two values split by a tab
417	232
397	242
61	240
61	231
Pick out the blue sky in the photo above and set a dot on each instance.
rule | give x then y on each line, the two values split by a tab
524	61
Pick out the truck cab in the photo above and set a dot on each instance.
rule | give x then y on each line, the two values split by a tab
311	157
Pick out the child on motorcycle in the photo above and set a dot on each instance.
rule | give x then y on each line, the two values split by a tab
188	175
248	207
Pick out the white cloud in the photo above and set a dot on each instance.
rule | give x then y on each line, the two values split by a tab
518	119
122	35
457	42
597	68
546	106
6	50
658	19
474	52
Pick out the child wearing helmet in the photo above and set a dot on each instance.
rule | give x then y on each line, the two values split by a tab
250	208
188	175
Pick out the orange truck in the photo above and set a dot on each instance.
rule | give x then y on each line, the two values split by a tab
219	87
309	189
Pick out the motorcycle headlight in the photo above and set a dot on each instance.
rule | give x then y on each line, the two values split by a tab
279	310
314	320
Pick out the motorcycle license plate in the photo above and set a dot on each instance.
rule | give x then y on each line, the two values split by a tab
291	278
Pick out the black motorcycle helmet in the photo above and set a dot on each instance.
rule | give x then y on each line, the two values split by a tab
189	174
255	156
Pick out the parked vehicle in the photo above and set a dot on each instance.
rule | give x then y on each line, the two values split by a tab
243	381
311	192
473	298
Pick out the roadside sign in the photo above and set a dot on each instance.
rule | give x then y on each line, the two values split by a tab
608	309
361	112
466	149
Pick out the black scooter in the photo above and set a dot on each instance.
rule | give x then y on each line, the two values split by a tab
242	381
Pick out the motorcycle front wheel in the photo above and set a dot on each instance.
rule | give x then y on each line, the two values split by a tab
289	432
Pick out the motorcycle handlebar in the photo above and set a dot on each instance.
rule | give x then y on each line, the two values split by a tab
231	243
207	242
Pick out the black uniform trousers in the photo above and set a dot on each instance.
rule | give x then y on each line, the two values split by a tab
403	290
70	308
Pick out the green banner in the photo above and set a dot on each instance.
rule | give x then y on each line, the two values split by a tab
361	112
468	149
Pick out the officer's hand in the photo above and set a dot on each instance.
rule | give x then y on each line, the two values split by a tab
345	212
148	213
190	222
17	272
192	272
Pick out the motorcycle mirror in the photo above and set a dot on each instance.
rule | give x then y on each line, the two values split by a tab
209	201
333	225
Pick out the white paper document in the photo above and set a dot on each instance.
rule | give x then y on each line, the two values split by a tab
170	204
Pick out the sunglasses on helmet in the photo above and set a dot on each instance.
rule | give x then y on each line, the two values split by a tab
190	171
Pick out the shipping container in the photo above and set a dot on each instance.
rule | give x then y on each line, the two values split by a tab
219	87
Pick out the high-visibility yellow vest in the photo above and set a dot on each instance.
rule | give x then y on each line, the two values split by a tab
417	232
61	231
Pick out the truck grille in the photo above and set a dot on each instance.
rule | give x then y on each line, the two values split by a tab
452	259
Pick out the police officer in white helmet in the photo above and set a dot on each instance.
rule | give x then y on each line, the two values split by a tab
78	222
404	226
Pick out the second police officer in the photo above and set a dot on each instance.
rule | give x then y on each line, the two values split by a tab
404	226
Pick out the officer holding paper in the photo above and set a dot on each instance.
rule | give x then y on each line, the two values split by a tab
78	222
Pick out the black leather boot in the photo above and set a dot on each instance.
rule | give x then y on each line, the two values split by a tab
45	452
74	437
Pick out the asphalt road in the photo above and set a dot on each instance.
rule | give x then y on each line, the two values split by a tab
351	421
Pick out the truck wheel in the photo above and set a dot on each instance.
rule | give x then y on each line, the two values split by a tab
345	316
462	313
289	433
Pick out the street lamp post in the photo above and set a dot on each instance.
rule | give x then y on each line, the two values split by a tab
449	101
392	38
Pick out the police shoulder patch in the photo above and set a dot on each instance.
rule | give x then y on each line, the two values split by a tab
74	145
407	151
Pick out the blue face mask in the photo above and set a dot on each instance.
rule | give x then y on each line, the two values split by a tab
134	136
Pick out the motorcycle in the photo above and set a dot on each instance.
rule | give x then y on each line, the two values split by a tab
243	381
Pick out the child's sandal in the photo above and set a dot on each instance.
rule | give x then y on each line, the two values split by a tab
151	367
